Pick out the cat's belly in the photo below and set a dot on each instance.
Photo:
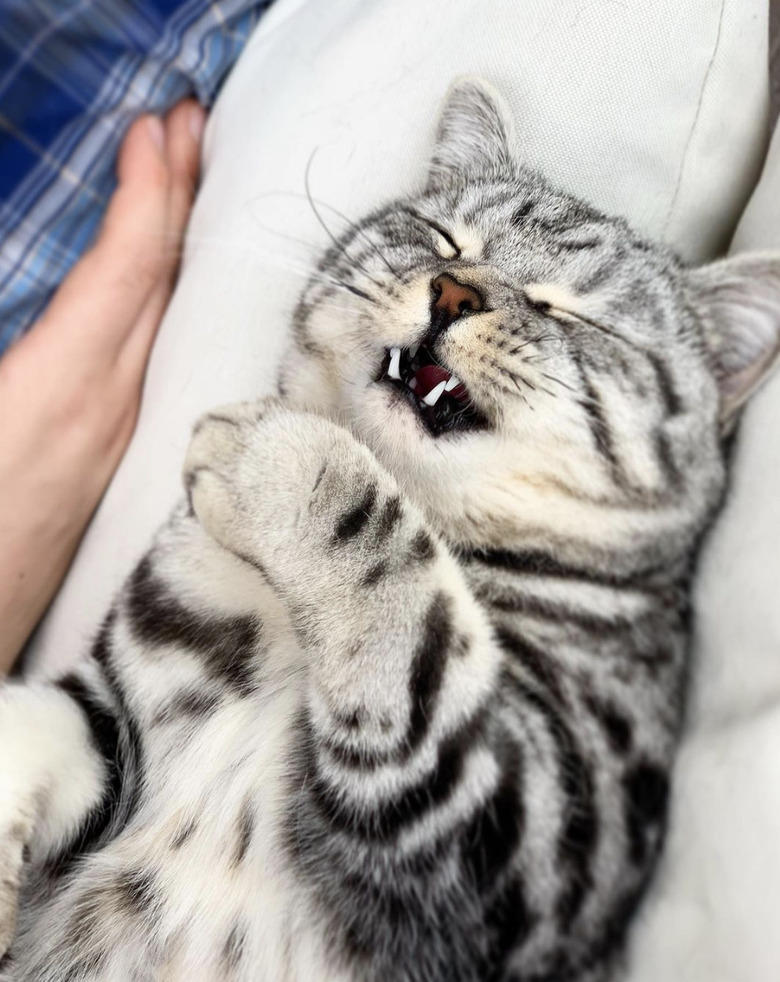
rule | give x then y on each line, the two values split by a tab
199	886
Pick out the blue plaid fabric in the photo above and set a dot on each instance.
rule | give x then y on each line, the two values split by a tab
73	76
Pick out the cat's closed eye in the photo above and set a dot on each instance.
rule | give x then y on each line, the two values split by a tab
445	246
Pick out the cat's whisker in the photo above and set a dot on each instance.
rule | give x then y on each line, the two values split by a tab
559	381
339	245
536	339
311	273
599	326
357	292
350	224
244	246
309	246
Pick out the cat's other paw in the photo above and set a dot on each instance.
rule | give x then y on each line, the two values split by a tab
251	470
14	836
219	441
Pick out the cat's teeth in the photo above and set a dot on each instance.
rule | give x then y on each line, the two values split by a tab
412	383
433	396
393	369
413	350
449	386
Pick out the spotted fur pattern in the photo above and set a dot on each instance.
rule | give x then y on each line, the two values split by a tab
383	703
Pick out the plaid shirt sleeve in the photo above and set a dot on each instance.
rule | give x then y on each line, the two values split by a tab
73	76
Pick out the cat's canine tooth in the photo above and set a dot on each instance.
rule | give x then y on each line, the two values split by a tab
393	369
450	385
413	350
433	396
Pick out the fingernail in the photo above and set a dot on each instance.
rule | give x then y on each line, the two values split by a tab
157	132
197	122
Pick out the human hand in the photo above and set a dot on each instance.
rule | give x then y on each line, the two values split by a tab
70	389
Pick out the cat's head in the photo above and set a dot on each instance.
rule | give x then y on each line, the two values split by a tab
533	372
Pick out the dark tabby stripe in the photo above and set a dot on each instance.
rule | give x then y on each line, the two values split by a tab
364	759
233	949
494	834
187	705
428	667
646	789
599	274
376	573
120	745
131	750
184	834
103	726
79	939
422	548
521	213
136	891
105	737
384	822
539	563
511	921
226	645
613	936
539	665
357	758
599	426
353	521
666	388
666	460
244	832
588	620
579	836
617	728
387	519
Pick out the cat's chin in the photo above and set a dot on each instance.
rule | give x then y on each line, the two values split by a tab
438	474
385	418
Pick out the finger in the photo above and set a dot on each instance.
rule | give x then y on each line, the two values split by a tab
183	132
184	129
104	294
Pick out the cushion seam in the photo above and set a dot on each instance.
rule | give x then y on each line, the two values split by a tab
696	117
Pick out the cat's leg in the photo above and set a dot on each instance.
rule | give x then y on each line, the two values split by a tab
402	646
401	754
59	756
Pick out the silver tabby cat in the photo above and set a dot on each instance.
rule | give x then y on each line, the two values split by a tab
395	694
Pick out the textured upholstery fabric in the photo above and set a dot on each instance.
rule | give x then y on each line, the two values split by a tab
657	111
774	58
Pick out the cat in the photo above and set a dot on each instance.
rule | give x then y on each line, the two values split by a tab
395	693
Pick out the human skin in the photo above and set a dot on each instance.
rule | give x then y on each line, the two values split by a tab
70	389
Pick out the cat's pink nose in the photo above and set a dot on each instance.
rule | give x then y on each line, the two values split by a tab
452	299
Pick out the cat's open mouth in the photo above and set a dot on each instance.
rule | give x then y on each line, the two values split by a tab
441	400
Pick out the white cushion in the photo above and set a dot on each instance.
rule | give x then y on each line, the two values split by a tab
654	110
713	915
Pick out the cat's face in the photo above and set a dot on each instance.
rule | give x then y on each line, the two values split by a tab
531	371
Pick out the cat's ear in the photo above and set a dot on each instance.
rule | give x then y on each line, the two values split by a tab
738	300
473	131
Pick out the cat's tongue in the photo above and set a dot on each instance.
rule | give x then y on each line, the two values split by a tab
429	376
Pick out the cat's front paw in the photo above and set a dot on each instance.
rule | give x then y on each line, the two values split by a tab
212	468
14	836
251	470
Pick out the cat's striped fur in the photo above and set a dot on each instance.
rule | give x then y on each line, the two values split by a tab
388	705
